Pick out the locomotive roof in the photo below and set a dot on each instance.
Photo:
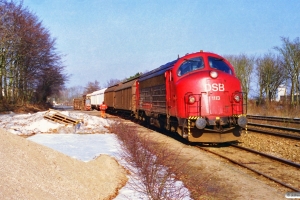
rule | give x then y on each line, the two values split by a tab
158	71
161	70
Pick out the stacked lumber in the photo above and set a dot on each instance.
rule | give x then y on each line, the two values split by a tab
56	116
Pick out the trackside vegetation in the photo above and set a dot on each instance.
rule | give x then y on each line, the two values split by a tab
157	168
31	68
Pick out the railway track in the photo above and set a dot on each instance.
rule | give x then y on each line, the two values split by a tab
261	124
275	130
278	170
275	119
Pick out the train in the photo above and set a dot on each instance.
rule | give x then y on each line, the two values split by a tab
197	96
83	103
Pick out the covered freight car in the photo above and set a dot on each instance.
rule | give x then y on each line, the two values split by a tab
97	98
78	104
109	98
125	96
83	103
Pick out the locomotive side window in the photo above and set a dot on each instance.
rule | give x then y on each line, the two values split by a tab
190	65
219	64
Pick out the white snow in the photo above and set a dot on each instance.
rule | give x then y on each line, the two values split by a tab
29	124
84	147
85	143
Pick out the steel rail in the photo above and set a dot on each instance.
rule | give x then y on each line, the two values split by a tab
275	134
288	162
278	119
251	169
275	127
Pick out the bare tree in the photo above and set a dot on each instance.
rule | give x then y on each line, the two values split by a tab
112	82
243	66
290	52
75	92
91	87
66	95
271	75
30	67
51	82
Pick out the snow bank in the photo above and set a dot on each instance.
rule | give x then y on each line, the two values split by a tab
30	124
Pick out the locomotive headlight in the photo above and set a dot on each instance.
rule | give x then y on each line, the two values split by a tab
213	74
192	99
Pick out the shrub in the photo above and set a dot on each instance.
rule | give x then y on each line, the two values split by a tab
154	165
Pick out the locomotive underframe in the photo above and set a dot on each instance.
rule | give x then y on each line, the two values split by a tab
212	136
214	133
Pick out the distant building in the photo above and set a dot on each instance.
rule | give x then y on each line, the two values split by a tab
281	93
284	97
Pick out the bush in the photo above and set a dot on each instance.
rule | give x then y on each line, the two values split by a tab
155	167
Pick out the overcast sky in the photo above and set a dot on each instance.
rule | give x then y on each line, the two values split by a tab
115	39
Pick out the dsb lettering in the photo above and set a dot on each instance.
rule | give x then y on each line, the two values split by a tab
214	87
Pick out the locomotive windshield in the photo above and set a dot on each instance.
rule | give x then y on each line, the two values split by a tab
219	64
190	65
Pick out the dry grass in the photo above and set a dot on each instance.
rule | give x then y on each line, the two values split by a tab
27	108
159	167
273	109
149	161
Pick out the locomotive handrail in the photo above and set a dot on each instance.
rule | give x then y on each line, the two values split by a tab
198	105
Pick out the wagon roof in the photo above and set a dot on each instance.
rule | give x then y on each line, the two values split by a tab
127	84
99	91
111	88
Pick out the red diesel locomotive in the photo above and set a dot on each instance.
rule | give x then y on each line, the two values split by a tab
197	96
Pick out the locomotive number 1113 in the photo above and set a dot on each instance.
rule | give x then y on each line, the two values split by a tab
215	98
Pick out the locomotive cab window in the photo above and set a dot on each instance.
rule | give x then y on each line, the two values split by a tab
190	65
219	64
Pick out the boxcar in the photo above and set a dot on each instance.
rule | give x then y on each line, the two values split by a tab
125	96
109	98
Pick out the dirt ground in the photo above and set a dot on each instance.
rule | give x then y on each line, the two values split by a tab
32	171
